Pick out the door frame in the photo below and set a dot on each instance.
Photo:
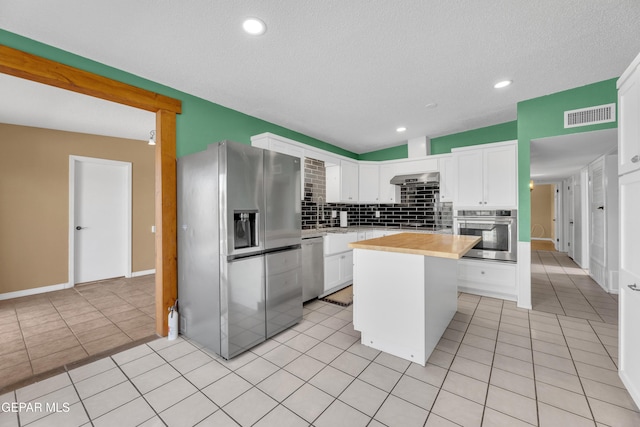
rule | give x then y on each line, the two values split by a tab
127	202
38	69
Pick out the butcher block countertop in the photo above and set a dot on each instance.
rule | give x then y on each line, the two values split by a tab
435	245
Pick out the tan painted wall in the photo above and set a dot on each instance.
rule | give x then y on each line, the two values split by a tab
34	201
542	226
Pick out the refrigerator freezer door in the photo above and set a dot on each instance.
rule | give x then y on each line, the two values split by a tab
241	190
282	199
242	304
284	290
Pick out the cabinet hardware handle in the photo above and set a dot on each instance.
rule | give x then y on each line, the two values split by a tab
635	159
479	203
482	272
634	287
601	207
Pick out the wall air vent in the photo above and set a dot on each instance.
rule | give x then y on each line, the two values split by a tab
590	116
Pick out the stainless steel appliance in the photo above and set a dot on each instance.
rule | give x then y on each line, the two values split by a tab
498	229
239	240
312	268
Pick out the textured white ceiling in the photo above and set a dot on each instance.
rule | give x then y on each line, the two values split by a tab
349	72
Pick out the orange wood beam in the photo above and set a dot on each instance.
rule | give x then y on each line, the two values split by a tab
166	218
21	64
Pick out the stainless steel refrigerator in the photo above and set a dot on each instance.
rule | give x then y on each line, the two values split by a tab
239	237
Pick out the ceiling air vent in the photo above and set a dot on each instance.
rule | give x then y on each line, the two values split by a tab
590	116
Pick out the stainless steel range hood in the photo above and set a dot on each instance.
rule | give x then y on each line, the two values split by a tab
416	179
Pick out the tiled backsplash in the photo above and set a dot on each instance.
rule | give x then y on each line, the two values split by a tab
419	205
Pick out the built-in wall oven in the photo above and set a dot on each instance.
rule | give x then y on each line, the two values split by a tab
497	228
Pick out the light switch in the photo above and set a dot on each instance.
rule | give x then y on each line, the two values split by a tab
153	228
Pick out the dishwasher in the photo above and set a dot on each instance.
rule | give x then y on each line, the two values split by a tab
312	268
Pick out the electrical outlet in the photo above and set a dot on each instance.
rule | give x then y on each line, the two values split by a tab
377	214
334	214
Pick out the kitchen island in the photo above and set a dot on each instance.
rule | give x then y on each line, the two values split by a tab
405	290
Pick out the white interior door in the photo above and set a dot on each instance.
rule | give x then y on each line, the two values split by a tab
571	214
100	219
597	261
629	304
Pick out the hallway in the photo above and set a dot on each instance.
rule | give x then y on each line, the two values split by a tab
559	286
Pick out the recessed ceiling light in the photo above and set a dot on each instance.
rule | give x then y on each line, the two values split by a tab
502	84
401	129
254	26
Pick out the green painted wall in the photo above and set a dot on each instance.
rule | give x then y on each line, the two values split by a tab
443	144
496	133
543	117
201	122
391	153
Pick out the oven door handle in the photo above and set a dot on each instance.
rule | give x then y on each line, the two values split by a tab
484	221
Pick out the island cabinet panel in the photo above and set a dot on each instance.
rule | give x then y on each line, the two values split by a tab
402	302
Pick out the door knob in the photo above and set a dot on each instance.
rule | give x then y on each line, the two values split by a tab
633	287
78	227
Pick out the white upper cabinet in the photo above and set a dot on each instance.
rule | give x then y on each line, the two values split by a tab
389	193
342	182
447	178
368	183
486	176
629	119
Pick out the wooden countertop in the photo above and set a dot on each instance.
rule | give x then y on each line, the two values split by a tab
436	245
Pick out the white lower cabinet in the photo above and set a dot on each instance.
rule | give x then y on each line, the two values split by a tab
488	278
338	270
338	260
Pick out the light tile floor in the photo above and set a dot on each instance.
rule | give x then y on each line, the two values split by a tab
496	365
46	331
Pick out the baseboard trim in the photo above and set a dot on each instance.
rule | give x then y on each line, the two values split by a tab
143	273
58	287
34	291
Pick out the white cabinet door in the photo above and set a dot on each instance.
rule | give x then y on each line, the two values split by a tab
346	267
368	183
629	123
468	183
447	177
331	272
342	182
389	193
349	181
629	303
338	270
500	180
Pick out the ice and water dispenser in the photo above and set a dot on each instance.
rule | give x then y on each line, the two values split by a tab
245	229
